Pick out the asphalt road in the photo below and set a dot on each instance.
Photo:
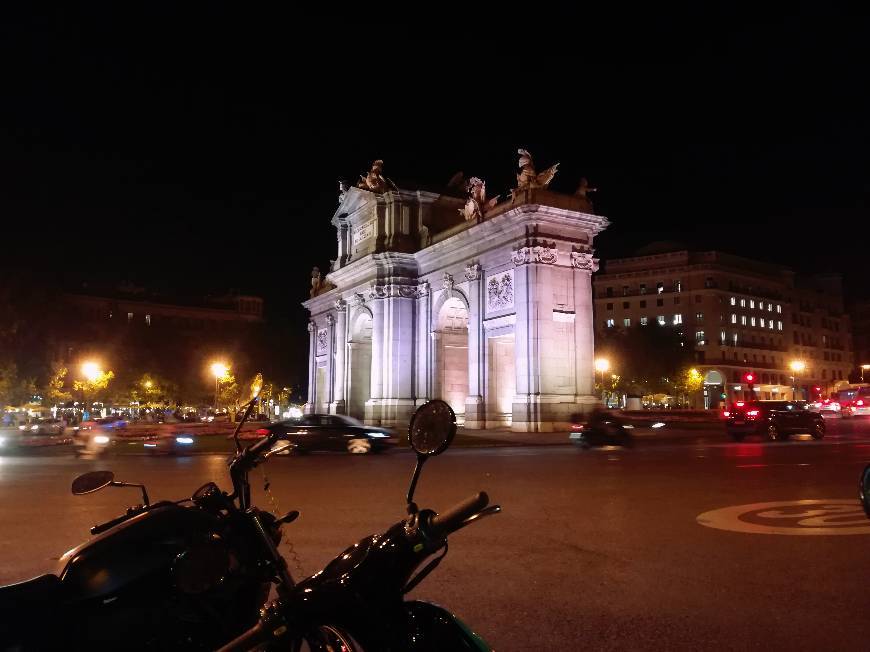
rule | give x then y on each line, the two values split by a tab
600	548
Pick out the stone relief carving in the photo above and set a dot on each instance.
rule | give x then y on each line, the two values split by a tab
472	272
343	187
322	339
500	291
359	298
584	261
423	289
330	320
447	282
319	285
536	254
311	326
340	305
528	177
377	292
477	205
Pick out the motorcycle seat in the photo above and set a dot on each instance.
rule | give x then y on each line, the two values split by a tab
38	590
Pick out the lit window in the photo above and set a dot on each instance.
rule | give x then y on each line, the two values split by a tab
752	321
661	320
660	287
699	316
699	337
678	287
733	318
742	303
743	320
763	324
129	316
723	336
770	324
769	307
643	321
733	301
752	303
778	308
678	319
626	322
625	290
643	288
610	323
147	320
735	340
779	325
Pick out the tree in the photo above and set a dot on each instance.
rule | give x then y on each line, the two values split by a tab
93	389
53	393
14	390
647	359
150	390
690	383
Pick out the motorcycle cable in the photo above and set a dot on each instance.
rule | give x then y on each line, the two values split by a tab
432	565
276	510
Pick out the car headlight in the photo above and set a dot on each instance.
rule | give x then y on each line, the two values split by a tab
184	440
22	427
378	434
34	428
2	440
101	439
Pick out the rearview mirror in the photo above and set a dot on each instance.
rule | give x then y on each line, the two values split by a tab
432	428
864	490
90	482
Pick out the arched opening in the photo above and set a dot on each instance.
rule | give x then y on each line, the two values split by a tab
714	390
451	336
359	369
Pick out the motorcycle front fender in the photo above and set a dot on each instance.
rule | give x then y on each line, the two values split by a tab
431	627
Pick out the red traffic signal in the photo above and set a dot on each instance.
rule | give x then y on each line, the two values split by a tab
749	378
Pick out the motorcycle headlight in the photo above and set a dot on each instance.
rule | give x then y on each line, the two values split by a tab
378	434
101	439
22	427
184	440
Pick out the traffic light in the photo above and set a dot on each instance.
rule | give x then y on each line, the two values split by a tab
749	378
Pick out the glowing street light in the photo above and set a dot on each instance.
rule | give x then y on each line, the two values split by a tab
148	384
602	365
864	367
796	366
219	370
91	370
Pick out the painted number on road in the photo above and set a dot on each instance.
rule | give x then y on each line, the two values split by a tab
791	517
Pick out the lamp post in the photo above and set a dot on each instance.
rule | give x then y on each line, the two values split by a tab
602	365
219	370
796	366
864	367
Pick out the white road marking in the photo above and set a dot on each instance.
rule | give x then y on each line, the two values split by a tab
830	516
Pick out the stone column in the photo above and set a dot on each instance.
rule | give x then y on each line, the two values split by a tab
373	405
475	410
422	391
584	334
329	387
339	400
311	405
397	377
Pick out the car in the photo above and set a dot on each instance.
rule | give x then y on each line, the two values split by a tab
773	420
112	421
169	444
43	427
335	432
859	406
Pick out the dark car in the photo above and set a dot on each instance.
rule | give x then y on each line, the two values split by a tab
335	432
43	427
112	421
773	420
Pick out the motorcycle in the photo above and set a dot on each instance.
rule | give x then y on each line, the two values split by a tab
196	573
601	431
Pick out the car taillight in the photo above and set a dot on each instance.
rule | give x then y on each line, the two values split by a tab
752	414
859	402
740	403
726	414
577	426
262	432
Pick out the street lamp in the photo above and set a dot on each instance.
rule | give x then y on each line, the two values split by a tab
864	367
219	370
91	371
602	365
796	366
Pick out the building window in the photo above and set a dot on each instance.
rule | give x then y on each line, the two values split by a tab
661	320
752	321
660	287
610	292
625	305
609	323
742	303
129	317
699	338
678	319
733	318
643	288
708	283
625	290
752	303
723	336
660	302
735	343
699	316
779	325
643	321
743	320
643	304
733	301
610	306
676	301
769	307
770	324
678	287
763	323
779	307
147	320
626	322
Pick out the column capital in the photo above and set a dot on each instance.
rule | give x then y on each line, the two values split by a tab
340	305
584	261
535	254
311	326
472	272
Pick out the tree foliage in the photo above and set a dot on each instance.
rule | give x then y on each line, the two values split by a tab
646	359
14	390
95	389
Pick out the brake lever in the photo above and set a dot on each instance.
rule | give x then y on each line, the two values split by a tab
489	511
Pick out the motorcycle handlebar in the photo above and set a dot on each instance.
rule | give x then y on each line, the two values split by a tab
254	636
98	529
450	520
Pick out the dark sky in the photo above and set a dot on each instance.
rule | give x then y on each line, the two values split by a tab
200	147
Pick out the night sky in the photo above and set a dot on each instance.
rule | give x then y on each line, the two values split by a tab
200	149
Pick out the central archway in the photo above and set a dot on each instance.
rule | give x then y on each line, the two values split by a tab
451	336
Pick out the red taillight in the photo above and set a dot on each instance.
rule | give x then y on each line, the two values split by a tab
262	432
577	426
827	400
860	401
752	414
726	414
740	403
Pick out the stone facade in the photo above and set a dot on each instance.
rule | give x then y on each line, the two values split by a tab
493	314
